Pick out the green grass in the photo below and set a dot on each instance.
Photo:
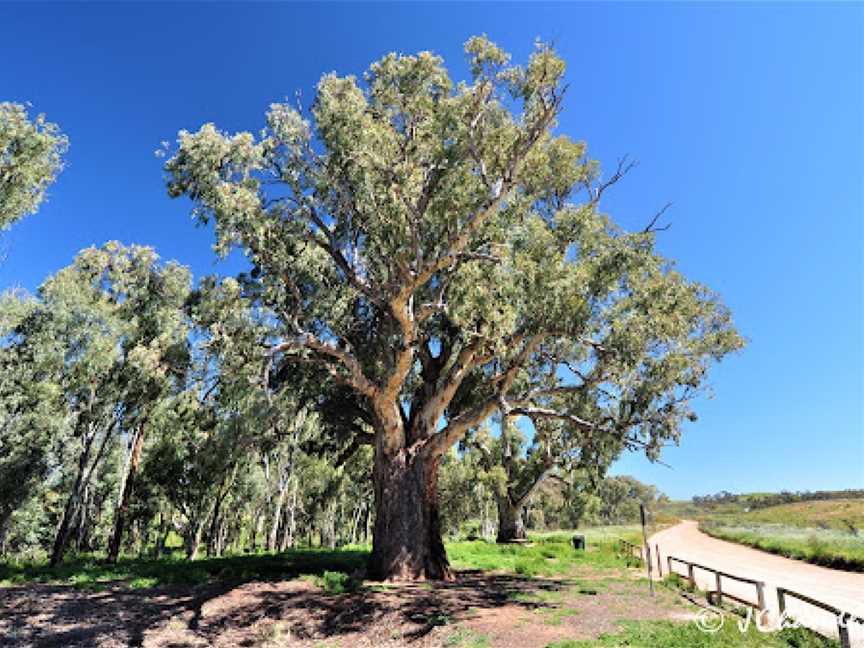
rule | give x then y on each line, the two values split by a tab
336	582
466	638
840	515
668	634
548	554
827	547
87	572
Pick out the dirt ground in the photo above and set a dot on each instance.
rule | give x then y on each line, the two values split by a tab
479	609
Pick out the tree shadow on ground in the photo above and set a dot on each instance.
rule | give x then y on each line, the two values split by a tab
228	613
412	609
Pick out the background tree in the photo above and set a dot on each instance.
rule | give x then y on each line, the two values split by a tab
556	449
31	156
436	249
99	338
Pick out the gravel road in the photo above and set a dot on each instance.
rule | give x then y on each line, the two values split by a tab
844	590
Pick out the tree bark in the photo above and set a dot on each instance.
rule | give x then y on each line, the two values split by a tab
273	536
122	511
193	539
74	504
510	524
407	542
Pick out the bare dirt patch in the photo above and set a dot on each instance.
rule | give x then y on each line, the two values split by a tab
487	609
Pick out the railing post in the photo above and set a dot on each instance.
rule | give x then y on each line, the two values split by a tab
669	564
781	600
843	631
659	562
690	576
719	590
760	594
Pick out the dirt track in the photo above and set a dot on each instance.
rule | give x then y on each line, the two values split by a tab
843	590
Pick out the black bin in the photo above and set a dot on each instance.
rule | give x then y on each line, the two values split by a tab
579	542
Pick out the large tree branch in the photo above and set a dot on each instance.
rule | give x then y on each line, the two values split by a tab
328	354
457	427
445	389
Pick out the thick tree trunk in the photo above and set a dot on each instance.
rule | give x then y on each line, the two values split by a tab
510	524
122	510
407	542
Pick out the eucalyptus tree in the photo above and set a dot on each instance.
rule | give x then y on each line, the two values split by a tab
100	337
33	420
31	156
518	468
439	251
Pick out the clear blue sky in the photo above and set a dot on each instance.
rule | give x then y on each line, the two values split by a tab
747	117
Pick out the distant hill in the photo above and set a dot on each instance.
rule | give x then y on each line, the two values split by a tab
826	509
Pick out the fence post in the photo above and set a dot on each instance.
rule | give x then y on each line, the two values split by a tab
659	562
719	590
843	631
760	594
690	576
669	564
781	600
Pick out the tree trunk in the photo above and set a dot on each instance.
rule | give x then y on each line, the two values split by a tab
122	510
510	524
273	536
193	540
73	509
407	542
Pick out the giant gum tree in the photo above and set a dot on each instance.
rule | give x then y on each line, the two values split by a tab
438	251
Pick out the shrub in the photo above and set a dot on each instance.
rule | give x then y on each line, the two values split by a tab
333	582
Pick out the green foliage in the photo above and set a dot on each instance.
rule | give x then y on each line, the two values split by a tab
31	156
94	352
333	582
406	213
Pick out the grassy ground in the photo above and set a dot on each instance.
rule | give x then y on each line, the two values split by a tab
89	572
667	634
829	533
549	554
826	547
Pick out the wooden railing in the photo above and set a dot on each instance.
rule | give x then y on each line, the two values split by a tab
843	618
759	604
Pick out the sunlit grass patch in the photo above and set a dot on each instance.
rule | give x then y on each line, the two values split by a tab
466	638
547	554
828	547
669	634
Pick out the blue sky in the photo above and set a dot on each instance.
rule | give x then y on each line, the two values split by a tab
748	117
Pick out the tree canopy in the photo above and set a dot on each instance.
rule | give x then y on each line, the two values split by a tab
31	156
439	250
